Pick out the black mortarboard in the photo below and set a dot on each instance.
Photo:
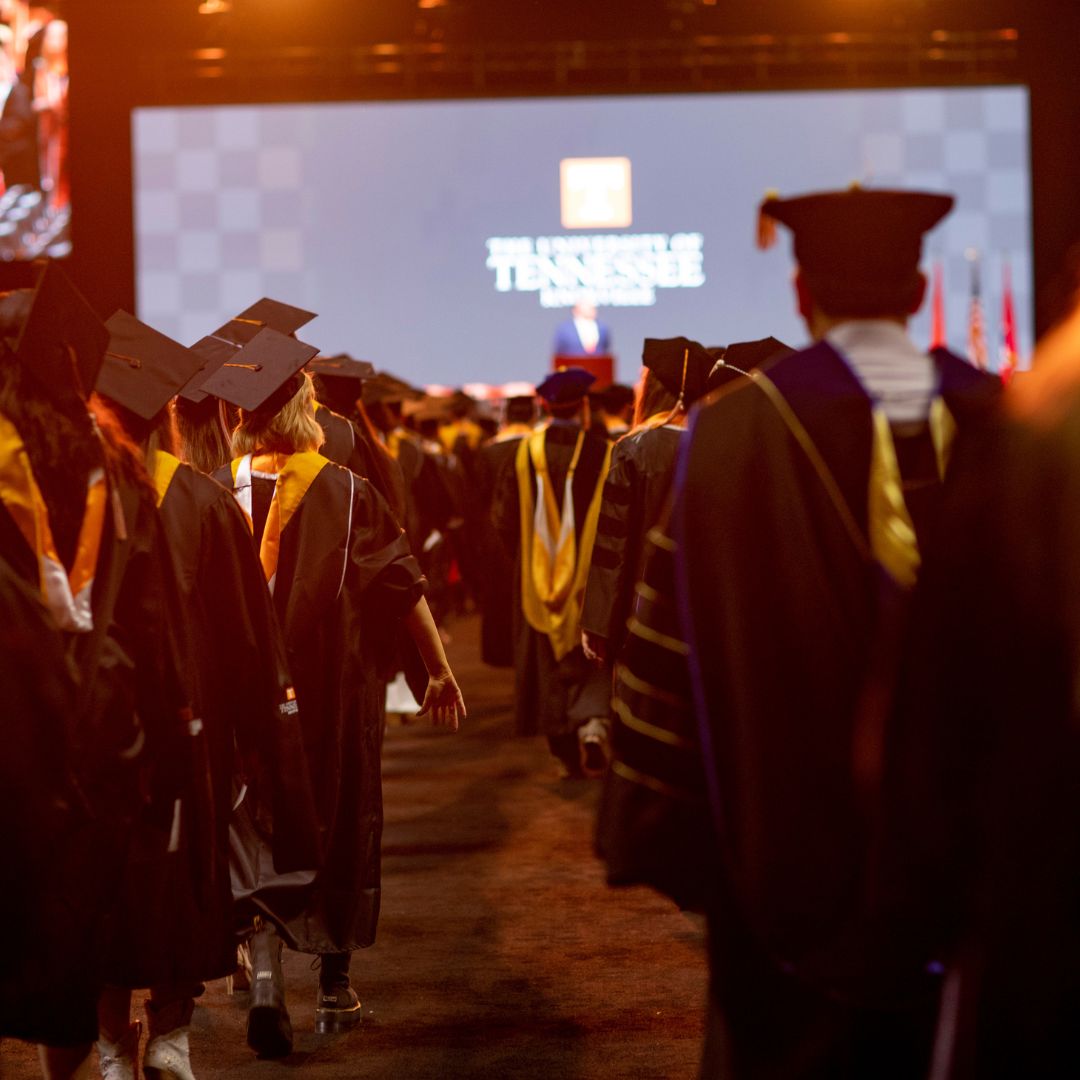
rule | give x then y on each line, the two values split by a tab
858	245
143	369
681	365
616	397
389	388
741	357
566	386
60	320
252	376
213	351
341	366
264	313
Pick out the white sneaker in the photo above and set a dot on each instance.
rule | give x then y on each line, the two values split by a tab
117	1060
168	1057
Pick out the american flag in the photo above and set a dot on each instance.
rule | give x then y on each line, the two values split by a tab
1008	328
938	336
976	329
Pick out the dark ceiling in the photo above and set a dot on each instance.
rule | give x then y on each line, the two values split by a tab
171	24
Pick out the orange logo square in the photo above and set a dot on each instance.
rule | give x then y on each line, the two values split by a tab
595	193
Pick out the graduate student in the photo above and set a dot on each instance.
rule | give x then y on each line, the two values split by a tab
497	592
546	511
351	439
654	821
236	676
341	576
78	524
638	485
807	500
986	824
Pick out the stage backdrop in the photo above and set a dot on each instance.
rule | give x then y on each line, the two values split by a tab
445	241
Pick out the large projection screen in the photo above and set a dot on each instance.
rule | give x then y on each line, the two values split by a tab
445	241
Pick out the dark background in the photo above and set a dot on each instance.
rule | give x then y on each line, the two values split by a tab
126	53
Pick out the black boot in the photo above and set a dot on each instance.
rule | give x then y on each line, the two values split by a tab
337	1008
269	1031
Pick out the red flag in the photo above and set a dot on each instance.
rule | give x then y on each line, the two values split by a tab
1008	328
937	311
976	330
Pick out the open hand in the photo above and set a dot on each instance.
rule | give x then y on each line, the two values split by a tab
443	701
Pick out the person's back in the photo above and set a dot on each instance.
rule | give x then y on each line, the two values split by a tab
983	797
546	511
805	504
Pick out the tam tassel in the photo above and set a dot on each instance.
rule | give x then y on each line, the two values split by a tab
766	223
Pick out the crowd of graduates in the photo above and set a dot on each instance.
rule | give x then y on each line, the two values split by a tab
808	614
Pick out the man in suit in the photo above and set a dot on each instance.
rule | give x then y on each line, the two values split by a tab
583	334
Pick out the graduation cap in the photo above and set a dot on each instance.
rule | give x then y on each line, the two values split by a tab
741	357
340	381
384	387
860	248
681	365
59	327
253	376
616	397
432	407
566	387
263	314
143	369
341	366
213	351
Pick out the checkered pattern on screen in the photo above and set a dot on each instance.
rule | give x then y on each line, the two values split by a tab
972	143
219	205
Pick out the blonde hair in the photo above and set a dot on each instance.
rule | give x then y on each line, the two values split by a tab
293	429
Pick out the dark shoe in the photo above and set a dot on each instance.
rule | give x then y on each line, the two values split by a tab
337	1009
269	1031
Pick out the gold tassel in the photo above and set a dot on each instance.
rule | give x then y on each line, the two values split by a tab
766	224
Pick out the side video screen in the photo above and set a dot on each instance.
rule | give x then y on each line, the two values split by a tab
35	205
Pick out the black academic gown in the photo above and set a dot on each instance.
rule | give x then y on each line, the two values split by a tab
347	445
654	826
344	576
552	697
242	693
497	590
42	821
783	616
636	491
138	763
984	816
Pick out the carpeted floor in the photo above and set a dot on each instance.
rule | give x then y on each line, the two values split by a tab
501	952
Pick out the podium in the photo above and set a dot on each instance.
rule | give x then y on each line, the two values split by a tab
603	367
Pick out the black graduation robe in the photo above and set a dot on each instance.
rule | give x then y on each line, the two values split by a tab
636	491
497	583
151	812
344	576
240	686
552	697
347	445
40	815
782	613
654	826
984	815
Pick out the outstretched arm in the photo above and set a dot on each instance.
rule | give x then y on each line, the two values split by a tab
443	698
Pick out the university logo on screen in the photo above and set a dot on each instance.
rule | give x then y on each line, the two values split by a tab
616	269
